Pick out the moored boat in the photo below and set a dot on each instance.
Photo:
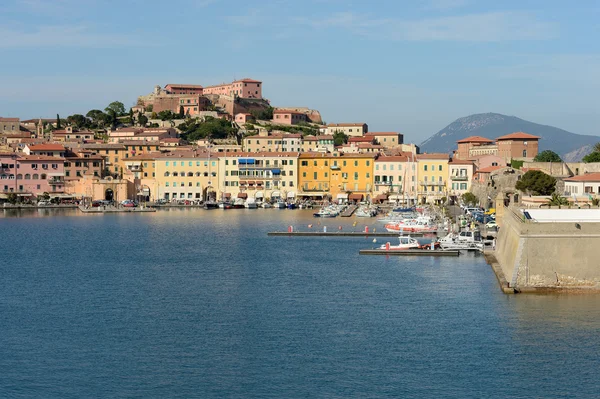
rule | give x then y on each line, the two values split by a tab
405	243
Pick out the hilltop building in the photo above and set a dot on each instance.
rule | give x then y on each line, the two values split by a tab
518	146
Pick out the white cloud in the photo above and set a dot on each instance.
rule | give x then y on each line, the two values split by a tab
63	36
482	27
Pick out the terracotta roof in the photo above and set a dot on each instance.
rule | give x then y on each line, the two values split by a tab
150	155
184	86
475	139
490	169
247	80
345	124
519	136
393	158
433	156
9	119
325	137
382	134
310	138
362	139
170	140
40	158
460	162
47	147
595	177
257	154
369	145
286	111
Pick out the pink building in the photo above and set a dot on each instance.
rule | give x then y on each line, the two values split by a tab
243	88
243	118
286	117
31	174
173	88
51	150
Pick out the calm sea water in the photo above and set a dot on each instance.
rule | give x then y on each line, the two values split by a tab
195	303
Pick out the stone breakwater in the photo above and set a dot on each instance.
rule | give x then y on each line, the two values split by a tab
549	256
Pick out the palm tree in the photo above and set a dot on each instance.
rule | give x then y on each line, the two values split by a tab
557	200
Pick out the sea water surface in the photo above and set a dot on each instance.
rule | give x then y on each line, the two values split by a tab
188	303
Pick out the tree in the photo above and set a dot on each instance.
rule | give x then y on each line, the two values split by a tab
547	156
78	120
339	138
98	118
58	126
12	198
597	147
181	112
469	199
592	157
142	119
149	108
537	183
263	114
131	115
558	200
116	107
211	128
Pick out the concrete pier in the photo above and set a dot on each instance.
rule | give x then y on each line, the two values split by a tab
349	211
112	209
338	234
409	252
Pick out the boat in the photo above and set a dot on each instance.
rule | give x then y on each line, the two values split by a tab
225	205
266	205
251	203
291	205
403	210
420	225
238	203
465	240
210	204
280	204
329	211
366	211
405	243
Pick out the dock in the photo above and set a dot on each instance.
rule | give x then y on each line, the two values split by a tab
348	211
338	234
409	252
112	209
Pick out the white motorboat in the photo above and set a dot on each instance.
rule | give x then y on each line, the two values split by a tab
251	203
266	205
405	242
280	204
465	240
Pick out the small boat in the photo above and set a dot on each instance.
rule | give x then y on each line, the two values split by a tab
465	240
291	205
238	203
405	243
280	204
225	205
211	205
251	203
266	205
403	210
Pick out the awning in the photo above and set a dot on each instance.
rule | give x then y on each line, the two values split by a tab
381	197
355	197
242	195
62	195
342	196
251	182
242	183
276	171
227	195
275	194
259	194
246	161
259	183
291	194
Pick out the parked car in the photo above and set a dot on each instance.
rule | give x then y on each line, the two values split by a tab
491	224
43	203
129	204
96	204
161	201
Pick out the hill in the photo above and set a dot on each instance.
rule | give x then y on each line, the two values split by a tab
570	146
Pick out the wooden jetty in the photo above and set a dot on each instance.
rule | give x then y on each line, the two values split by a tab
409	252
338	234
348	211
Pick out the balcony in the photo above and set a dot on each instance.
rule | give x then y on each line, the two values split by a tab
383	183
55	181
432	183
459	178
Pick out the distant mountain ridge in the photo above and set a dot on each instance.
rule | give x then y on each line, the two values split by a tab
570	146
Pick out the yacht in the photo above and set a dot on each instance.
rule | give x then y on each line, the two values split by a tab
405	242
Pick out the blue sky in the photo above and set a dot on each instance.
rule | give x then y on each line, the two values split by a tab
408	66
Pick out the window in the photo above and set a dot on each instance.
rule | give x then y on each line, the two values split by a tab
28	176
303	174
167	184
304	163
167	163
355	175
315	175
425	168
439	168
524	153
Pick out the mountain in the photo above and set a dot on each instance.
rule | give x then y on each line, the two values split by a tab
570	146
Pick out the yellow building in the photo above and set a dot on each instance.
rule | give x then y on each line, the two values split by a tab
291	142
340	176
116	155
260	175
432	176
186	175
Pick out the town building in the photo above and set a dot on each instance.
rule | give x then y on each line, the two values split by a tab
9	125
82	163
286	117
291	142
460	177
141	134
586	184
432	176
243	117
51	150
68	134
115	155
519	145
31	175
193	105
386	139
471	147
260	175
186	175
320	143
349	129
395	179
243	88
173	88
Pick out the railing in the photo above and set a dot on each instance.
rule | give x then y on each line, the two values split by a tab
55	181
383	183
432	183
459	178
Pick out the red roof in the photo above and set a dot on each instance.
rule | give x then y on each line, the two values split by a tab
179	86
475	139
362	139
490	169
382	134
595	177
393	158
47	147
247	80
434	156
9	119
519	136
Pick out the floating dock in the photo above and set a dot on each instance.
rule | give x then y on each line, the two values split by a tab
409	252
349	211
338	234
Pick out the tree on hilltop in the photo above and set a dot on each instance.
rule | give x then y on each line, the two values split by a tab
116	107
592	157
469	199
339	138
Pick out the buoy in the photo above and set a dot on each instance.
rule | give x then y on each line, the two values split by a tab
387	246
290	229
374	240
366	229
340	228
354	224
324	229
310	226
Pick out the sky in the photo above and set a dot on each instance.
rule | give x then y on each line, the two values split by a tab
407	66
